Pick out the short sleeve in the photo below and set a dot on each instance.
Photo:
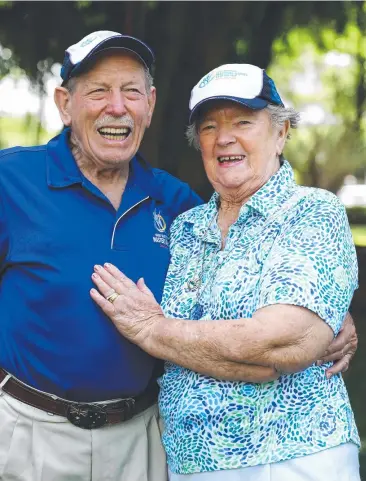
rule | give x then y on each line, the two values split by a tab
313	262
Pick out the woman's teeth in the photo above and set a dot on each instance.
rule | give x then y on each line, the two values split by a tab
230	158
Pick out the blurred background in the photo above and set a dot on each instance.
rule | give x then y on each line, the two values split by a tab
314	50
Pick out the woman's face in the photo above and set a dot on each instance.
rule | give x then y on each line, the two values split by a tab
240	149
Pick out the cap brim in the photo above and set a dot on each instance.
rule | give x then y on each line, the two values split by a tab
254	104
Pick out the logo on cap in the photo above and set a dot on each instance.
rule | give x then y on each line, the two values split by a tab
87	41
206	80
220	74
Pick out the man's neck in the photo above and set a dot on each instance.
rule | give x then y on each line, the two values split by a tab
109	180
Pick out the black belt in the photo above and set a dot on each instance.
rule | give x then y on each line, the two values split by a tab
83	415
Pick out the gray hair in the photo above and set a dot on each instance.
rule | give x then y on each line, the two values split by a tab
279	115
70	85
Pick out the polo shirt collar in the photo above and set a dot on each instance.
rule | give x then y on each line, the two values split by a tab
266	201
270	198
205	221
142	175
63	171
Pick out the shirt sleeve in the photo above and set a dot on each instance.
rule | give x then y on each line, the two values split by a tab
313	263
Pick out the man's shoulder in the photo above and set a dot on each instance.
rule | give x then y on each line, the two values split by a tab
13	155
168	181
177	195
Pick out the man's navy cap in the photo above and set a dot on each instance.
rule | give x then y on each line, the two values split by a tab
77	56
241	83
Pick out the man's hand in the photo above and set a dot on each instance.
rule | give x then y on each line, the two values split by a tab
342	349
134	311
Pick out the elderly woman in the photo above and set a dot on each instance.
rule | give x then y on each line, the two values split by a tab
260	280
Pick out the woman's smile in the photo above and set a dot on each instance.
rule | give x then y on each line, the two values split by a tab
226	161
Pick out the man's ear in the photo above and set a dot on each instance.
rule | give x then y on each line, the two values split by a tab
62	98
151	100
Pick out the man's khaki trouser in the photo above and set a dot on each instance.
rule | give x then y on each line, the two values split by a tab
36	446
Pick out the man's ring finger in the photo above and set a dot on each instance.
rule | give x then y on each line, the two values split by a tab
112	297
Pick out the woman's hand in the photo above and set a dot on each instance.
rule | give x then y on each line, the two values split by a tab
134	310
342	349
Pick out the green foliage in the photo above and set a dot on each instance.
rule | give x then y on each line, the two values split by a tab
83	4
241	47
359	235
357	215
7	62
190	38
22	131
332	141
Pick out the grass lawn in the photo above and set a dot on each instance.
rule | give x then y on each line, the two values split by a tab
359	235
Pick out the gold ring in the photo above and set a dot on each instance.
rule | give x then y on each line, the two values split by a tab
112	297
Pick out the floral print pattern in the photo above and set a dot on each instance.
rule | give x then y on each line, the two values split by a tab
290	245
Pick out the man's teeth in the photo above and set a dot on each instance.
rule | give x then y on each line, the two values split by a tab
111	133
230	158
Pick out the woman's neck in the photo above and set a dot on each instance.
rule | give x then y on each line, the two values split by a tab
227	216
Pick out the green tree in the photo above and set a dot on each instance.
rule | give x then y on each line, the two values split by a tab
190	38
331	145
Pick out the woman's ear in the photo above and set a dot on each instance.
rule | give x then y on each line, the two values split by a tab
282	136
62	98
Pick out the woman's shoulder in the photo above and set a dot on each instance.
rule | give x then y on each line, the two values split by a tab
314	208
305	199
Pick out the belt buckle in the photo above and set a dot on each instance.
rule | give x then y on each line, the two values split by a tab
87	416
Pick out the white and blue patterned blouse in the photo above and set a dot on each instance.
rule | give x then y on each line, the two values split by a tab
290	245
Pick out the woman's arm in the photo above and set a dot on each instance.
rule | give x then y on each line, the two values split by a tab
306	286
282	337
279	338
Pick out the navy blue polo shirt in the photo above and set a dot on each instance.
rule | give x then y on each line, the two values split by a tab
55	225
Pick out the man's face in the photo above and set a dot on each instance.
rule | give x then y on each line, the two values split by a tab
108	111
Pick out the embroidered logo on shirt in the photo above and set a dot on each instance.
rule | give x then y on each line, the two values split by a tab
160	226
159	221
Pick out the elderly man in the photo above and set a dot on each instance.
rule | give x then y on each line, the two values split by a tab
65	367
78	399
